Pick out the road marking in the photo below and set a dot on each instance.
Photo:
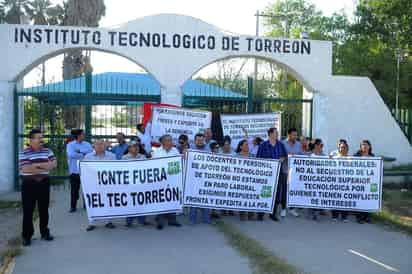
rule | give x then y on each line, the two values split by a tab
390	268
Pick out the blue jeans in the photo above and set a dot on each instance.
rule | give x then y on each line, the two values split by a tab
193	215
140	219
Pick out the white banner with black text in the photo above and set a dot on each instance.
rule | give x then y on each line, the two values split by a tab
177	121
236	183
115	189
346	183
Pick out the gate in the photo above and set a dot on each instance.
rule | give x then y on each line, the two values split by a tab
296	113
102	105
107	103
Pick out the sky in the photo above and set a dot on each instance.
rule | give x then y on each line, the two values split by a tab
232	15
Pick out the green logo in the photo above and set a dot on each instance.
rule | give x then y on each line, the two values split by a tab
173	168
266	192
374	187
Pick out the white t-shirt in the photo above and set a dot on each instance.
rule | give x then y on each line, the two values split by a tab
146	139
161	152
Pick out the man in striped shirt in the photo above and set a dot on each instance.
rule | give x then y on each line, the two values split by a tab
35	163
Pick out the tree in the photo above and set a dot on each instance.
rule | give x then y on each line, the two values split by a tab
13	11
79	13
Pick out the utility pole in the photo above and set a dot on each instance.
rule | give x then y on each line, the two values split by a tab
399	53
282	16
256	60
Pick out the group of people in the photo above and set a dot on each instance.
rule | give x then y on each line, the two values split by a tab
36	161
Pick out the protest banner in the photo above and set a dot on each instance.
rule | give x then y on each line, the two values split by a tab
256	125
219	181
126	188
177	121
348	183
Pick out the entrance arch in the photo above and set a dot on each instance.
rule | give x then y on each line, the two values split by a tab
344	106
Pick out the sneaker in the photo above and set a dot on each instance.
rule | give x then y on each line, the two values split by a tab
293	212
283	213
345	220
26	242
334	220
47	237
90	227
110	225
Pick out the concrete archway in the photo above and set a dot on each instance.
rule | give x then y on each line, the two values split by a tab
172	47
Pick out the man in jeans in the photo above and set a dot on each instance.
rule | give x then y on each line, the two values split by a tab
274	149
293	147
35	163
76	150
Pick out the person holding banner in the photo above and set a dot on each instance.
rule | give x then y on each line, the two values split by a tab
243	150
208	137
135	151
121	148
253	142
317	150
227	146
76	150
143	133
183	145
293	147
274	149
365	150
167	149
199	145
99	154
343	150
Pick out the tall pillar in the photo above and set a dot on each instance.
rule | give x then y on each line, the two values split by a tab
172	94
7	142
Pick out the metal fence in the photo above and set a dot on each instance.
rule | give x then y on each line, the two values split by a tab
103	107
404	119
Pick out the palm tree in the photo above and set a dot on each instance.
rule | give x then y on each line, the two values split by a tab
14	10
86	14
39	11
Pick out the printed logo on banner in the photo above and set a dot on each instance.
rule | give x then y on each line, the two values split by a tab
173	168
266	192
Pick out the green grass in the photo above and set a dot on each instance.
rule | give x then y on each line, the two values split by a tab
10	204
262	260
14	249
400	168
397	210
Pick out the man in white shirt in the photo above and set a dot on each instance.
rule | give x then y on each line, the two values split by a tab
144	136
99	154
167	149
